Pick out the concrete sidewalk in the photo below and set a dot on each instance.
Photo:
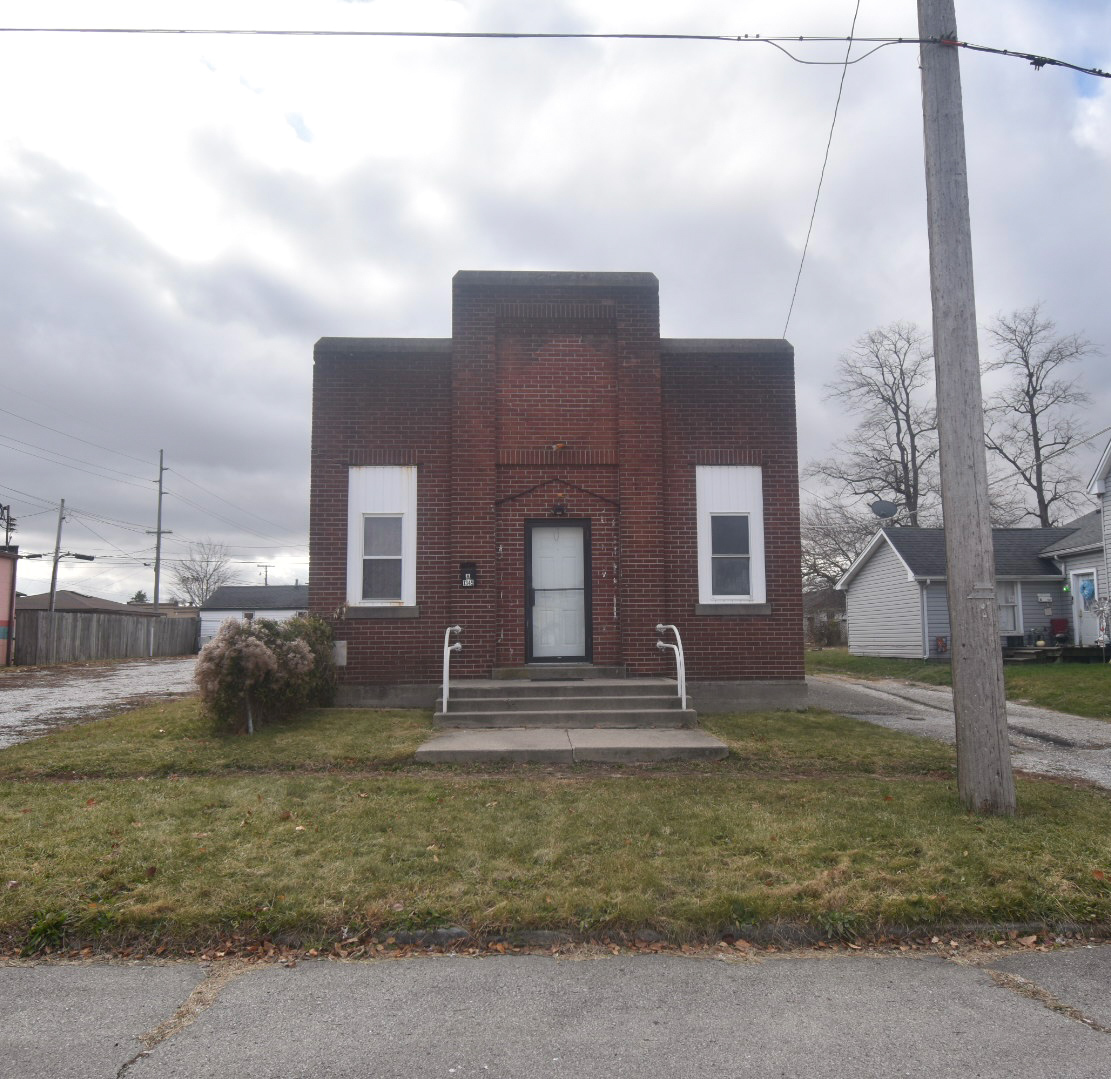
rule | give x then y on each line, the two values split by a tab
652	1017
1042	741
610	745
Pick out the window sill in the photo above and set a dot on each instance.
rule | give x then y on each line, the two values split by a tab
731	610
352	613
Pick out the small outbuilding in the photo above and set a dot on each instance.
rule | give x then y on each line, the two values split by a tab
277	602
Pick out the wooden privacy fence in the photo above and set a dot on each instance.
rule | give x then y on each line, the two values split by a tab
42	637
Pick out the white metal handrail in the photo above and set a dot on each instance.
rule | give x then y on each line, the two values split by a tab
680	659
448	649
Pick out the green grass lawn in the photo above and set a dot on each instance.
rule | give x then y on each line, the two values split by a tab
1084	689
147	827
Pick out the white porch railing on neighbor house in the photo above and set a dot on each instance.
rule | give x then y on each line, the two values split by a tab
448	649
680	661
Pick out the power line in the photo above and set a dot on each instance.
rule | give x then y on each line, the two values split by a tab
777	41
220	516
76	468
822	174
66	434
34	498
67	456
219	498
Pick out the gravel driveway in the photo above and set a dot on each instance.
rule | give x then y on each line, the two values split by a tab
1042	741
37	700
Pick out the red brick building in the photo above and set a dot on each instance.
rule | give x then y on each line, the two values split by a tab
557	479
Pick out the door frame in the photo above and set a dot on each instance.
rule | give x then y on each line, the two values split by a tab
588	619
1075	611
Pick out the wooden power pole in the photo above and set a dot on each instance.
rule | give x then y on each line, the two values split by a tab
984	778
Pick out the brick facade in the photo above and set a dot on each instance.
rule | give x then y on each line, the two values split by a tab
556	394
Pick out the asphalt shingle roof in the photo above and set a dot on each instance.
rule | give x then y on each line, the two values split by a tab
66	600
1017	550
1086	531
257	597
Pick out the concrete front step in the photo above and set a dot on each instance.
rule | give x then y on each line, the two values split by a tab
656	702
590	687
587	704
568	717
571	746
545	672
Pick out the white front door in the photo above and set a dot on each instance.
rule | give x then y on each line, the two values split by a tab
1084	620
557	592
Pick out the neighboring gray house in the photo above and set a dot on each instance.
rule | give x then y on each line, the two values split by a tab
1046	580
275	601
895	599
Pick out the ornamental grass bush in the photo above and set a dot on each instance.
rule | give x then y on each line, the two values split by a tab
257	671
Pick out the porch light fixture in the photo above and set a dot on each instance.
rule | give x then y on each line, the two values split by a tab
559	509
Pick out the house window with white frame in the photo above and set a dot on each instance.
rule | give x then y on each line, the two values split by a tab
730	509
382	535
1006	600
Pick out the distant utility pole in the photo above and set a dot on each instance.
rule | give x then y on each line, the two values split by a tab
266	568
984	778
159	532
57	554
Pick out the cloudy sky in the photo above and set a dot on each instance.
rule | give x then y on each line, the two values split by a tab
181	217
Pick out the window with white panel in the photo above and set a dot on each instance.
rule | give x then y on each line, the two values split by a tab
382	535
730	508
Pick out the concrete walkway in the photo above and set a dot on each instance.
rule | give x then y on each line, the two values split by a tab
611	745
1042	741
1035	1015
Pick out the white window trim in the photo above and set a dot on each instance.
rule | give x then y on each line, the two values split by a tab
1017	604
382	491
736	490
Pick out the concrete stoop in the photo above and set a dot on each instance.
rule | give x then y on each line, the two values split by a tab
572	745
576	715
565	703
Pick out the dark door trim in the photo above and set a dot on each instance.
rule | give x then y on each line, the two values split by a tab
560	522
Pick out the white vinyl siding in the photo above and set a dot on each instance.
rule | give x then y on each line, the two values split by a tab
884	609
211	621
1035	622
730	551
382	535
1078	563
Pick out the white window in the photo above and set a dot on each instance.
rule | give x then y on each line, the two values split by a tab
1006	599
382	535
730	506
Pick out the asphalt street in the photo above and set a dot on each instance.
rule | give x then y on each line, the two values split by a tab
1043	742
650	1017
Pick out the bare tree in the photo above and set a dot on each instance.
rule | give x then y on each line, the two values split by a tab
1032	420
832	536
197	576
885	380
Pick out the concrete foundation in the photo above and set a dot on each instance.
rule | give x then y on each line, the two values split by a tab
717	697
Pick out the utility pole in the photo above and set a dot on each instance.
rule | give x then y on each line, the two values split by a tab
57	554
158	534
266	567
984	778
